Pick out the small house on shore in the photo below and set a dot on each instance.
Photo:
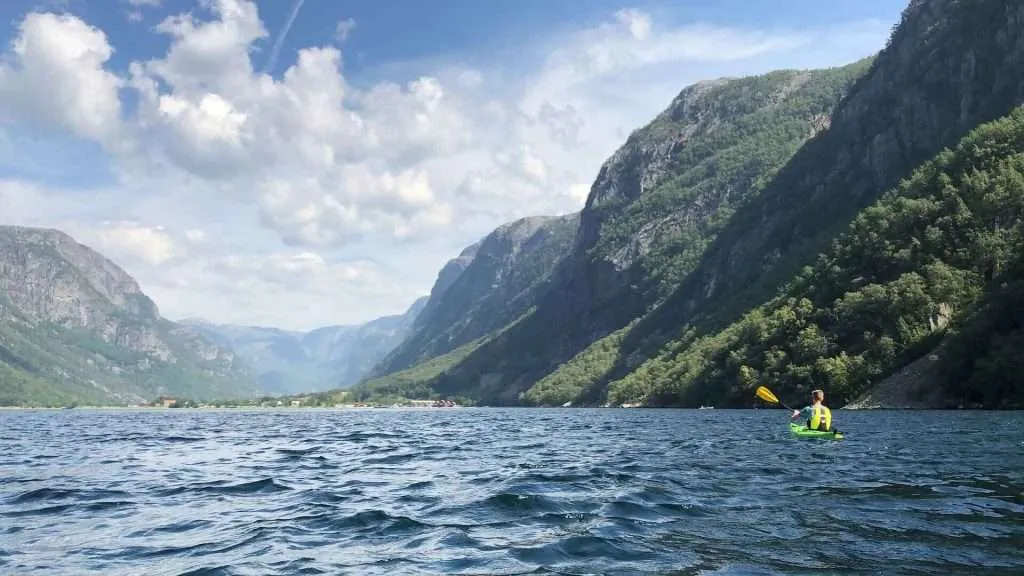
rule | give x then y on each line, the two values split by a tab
165	401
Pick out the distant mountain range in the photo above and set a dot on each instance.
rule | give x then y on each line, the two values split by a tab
288	362
76	329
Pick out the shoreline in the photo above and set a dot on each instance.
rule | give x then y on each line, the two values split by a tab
847	408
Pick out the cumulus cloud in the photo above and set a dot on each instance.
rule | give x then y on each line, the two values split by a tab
58	79
303	170
130	241
319	291
194	272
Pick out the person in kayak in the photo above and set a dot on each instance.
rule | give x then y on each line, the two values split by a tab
819	417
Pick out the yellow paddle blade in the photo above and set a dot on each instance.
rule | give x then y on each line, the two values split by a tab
766	395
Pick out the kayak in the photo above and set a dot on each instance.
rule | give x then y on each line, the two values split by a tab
801	430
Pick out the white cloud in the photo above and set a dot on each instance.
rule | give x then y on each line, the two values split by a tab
195	236
229	177
134	13
344	29
198	272
361	201
637	22
319	291
130	241
58	79
209	55
19	201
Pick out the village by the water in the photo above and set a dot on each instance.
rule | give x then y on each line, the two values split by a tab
304	401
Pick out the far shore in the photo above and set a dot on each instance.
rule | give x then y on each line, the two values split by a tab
351	407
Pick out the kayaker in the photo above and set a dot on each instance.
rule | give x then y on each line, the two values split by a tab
819	417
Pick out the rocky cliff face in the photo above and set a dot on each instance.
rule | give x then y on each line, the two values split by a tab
289	362
490	285
702	215
75	327
948	67
445	278
48	277
654	207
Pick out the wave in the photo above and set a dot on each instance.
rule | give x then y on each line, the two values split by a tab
504	492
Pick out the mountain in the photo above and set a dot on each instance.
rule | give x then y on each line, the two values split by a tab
726	201
488	286
933	269
491	285
76	328
289	362
653	209
948	67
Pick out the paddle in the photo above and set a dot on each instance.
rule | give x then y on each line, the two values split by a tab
766	395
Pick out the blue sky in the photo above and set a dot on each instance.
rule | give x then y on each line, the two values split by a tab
327	183
470	30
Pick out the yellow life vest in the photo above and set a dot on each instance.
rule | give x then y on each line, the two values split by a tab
816	415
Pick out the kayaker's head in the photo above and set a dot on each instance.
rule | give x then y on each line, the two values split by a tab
817	396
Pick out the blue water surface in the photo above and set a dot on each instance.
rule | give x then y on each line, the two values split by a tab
508	491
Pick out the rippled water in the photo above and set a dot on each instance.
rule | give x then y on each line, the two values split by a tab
489	491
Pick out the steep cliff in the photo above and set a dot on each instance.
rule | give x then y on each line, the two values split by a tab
290	362
489	285
653	209
74	327
909	274
715	207
948	67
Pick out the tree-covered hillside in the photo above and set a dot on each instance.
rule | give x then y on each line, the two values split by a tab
888	291
949	66
654	208
788	228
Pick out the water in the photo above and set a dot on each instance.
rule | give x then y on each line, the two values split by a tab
489	491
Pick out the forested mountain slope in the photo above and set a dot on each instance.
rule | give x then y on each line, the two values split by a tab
654	208
949	66
937	257
75	328
709	213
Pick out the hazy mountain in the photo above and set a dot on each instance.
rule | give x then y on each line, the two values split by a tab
289	362
76	328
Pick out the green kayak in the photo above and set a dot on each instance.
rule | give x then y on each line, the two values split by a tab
801	430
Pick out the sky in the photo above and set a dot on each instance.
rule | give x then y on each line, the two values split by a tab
305	163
